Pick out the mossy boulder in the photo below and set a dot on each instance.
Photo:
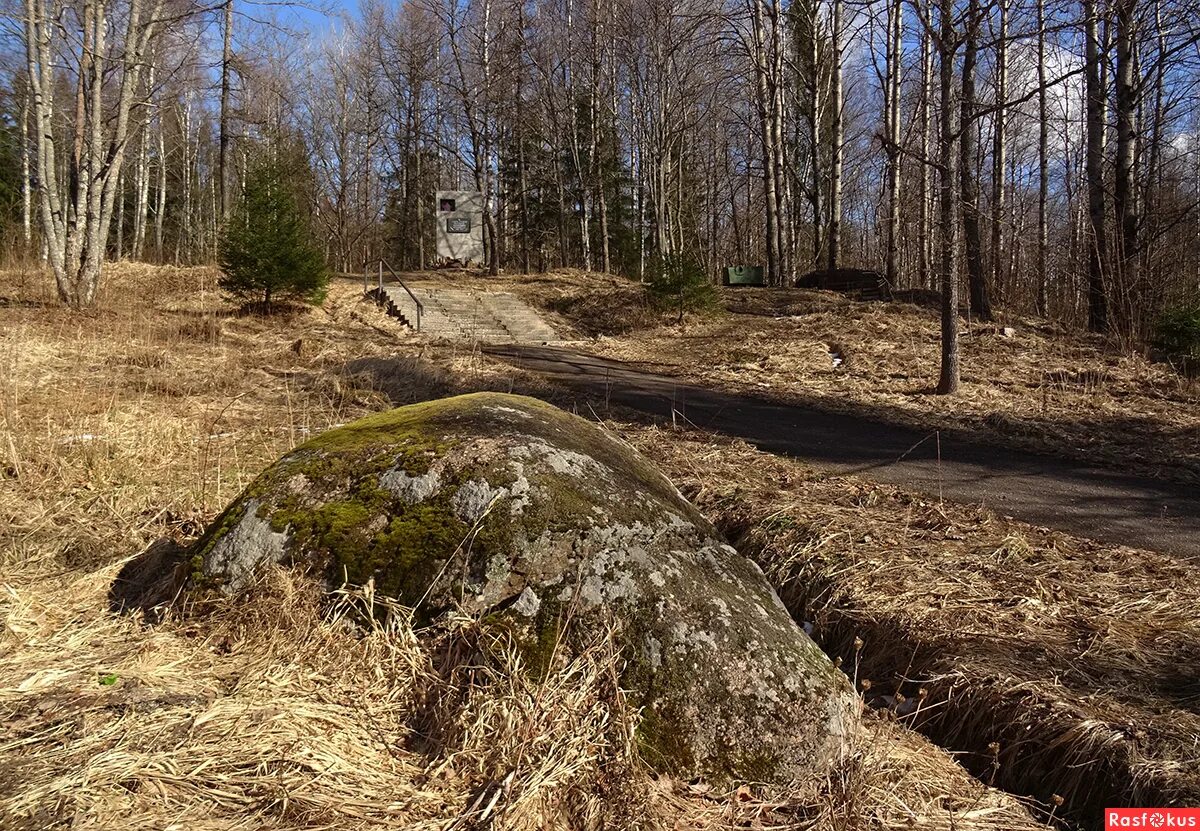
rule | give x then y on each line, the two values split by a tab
511	509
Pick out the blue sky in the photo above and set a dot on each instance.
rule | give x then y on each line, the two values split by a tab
318	22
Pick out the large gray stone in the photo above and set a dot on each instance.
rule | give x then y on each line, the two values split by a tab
509	508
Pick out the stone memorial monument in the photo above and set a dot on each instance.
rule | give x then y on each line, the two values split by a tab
459	218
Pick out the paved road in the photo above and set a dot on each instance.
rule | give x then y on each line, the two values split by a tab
1043	490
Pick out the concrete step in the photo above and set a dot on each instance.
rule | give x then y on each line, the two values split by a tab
465	315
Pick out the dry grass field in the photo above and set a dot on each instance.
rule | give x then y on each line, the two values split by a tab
1040	389
1056	666
143	418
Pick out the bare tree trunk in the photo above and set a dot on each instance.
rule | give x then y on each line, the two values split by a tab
595	186
925	221
523	187
183	245
160	209
981	305
815	138
225	140
581	173
563	253
766	113
141	176
1124	195
94	237
26	192
999	148
947	47
639	190
606	248
614	143
836	140
780	167
1098	241
1043	160
892	101
420	212
1152	186
120	251
489	214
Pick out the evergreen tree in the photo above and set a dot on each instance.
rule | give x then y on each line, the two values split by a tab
678	282
266	250
10	163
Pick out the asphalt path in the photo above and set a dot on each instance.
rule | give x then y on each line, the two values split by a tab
1050	491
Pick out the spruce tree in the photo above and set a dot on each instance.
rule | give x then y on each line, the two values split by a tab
678	281
266	250
10	166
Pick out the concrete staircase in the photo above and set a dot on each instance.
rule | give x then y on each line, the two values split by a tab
466	315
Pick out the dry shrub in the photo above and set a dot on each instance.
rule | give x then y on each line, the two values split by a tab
140	358
1056	666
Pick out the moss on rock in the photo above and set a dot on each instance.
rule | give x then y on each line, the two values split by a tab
508	508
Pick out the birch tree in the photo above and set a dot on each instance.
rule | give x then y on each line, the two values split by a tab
76	213
1124	193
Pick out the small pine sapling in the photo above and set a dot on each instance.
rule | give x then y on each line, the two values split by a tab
266	250
679	282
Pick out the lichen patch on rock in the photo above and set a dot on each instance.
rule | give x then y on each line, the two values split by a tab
410	488
245	546
510	509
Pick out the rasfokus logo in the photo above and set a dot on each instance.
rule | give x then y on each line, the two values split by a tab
1151	818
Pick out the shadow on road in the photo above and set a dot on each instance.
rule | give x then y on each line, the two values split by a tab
1044	490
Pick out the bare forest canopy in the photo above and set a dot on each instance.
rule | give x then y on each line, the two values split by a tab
1045	154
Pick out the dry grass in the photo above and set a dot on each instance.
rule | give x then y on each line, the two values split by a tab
144	418
268	714
1057	665
1043	389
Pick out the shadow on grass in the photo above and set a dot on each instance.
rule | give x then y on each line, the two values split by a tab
1124	503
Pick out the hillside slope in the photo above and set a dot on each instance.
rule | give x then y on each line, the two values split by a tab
144	418
1041	388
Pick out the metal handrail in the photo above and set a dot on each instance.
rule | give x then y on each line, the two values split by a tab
384	264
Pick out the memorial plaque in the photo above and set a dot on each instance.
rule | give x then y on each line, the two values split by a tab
458	225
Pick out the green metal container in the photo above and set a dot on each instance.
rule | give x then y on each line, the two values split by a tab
744	275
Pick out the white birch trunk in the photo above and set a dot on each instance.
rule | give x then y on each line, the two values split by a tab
76	228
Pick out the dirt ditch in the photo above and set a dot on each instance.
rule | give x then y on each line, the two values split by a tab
1051	666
